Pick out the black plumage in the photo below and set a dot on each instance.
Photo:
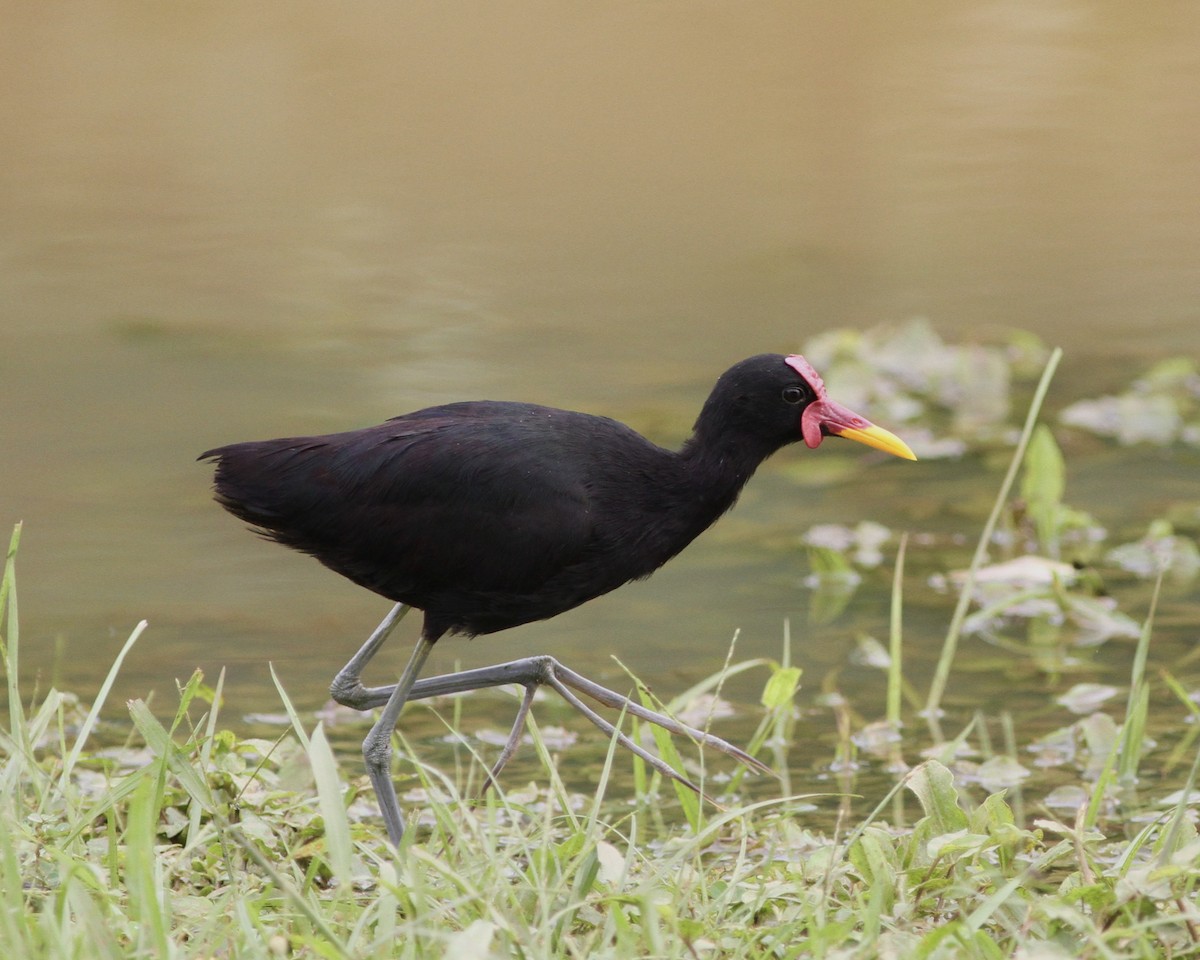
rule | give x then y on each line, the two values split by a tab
486	515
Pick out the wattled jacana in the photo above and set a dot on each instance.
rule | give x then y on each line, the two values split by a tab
486	515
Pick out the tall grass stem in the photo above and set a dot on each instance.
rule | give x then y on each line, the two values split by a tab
937	687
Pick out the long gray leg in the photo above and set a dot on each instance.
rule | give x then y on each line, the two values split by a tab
542	672
514	738
377	747
347	688
530	672
545	670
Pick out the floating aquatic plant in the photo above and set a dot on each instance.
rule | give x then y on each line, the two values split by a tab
1161	407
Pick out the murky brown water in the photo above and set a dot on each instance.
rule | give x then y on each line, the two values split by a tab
230	221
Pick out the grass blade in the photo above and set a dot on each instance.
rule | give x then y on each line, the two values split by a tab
93	715
160	743
1134	728
895	685
10	645
333	811
937	687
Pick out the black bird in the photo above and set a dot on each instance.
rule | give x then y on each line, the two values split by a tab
486	515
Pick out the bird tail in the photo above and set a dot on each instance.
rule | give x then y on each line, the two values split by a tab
267	483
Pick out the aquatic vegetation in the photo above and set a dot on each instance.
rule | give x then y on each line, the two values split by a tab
1160	407
951	396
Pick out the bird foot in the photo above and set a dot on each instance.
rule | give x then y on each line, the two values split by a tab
532	672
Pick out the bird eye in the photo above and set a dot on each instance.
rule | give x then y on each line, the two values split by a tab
793	394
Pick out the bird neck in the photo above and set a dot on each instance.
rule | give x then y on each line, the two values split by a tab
719	462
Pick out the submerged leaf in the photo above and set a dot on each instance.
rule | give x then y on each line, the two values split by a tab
998	773
1084	698
1153	410
1159	551
1027	571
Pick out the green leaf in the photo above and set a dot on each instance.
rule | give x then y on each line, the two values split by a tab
93	716
160	743
1042	486
993	814
781	687
934	787
142	878
666	750
333	811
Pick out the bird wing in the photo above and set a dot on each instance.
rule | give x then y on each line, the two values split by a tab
468	500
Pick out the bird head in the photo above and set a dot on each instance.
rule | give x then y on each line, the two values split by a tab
823	417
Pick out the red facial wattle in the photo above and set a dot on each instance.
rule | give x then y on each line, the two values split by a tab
823	416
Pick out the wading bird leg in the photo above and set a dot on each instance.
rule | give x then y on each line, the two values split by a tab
608	698
532	672
548	671
660	765
347	688
514	738
377	747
